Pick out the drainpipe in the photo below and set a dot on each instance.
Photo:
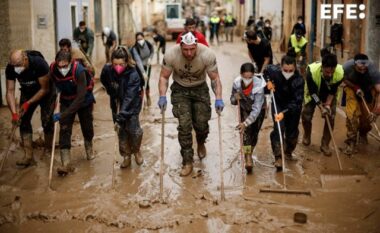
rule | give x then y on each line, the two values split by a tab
55	25
323	30
312	31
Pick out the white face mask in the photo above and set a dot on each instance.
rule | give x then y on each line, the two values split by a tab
287	75
300	21
141	42
19	69
267	25
81	30
247	81
65	71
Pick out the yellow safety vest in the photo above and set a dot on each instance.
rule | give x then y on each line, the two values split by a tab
215	19
316	73
297	45
229	19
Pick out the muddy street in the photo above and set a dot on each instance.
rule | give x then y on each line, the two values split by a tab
86	202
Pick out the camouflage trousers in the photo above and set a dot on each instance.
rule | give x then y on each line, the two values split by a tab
357	115
191	106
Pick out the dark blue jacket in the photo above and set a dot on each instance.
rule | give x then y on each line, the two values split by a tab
124	90
68	85
288	93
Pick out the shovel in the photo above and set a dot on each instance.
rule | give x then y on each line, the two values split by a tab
241	146
222	195
115	149
11	137
162	155
57	110
13	132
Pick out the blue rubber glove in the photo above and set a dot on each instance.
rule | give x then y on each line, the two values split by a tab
56	117
162	102
219	105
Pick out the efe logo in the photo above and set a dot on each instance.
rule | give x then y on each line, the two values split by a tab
351	11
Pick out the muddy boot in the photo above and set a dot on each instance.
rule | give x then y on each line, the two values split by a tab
325	149
363	139
89	151
139	158
126	162
349	149
126	152
201	151
248	158
307	133
27	160
290	146
186	170
248	163
66	165
48	141
135	142
278	163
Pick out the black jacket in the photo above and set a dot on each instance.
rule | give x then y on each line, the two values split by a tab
288	93
124	91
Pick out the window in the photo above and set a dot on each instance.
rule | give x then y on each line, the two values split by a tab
74	16
98	15
85	13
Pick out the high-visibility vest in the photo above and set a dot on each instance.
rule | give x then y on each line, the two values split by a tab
229	19
316	73
297	45
215	19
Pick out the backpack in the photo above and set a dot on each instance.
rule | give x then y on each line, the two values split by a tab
336	34
150	46
89	76
34	53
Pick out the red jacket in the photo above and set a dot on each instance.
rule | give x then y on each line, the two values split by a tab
201	38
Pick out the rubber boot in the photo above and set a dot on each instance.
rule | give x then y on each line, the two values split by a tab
201	150
325	149
363	139
126	162
136	144
48	141
349	149
290	146
248	158
89	151
66	163
186	170
27	160
307	133
278	163
148	100
125	152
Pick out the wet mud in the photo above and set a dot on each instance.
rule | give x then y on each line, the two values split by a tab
85	201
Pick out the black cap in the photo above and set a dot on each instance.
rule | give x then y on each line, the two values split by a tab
189	21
